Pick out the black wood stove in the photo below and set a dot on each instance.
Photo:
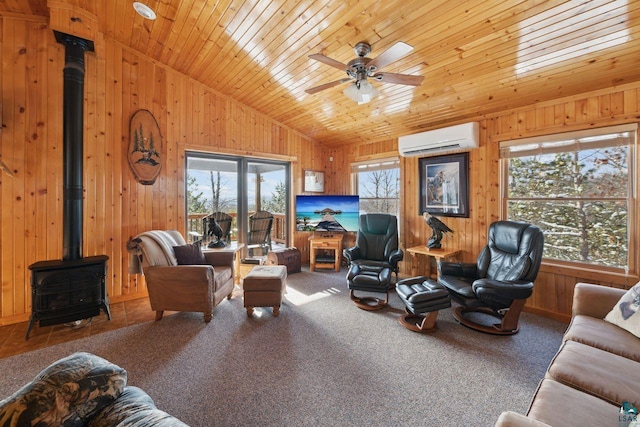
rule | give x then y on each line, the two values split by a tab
73	288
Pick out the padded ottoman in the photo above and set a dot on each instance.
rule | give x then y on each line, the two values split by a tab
264	286
421	295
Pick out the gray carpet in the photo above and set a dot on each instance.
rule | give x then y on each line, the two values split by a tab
321	362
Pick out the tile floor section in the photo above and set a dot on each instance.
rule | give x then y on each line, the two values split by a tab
12	337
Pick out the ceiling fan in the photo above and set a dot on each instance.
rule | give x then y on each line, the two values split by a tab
361	68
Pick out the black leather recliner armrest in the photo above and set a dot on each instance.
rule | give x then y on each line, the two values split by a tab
351	254
458	269
516	289
395	257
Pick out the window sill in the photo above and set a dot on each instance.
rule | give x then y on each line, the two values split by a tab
592	274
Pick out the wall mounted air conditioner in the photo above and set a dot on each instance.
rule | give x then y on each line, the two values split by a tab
458	137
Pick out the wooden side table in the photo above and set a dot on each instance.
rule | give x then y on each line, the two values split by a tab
325	243
437	254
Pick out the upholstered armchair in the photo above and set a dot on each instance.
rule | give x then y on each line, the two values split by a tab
181	277
373	259
500	281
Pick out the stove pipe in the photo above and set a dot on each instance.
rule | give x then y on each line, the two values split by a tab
73	127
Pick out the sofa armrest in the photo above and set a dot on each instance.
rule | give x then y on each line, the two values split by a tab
134	407
513	419
594	300
219	257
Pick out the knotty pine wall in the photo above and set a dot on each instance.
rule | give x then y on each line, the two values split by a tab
117	83
553	290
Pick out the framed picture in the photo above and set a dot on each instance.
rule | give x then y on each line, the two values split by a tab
444	185
314	181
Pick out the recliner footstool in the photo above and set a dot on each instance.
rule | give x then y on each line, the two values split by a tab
421	295
265	286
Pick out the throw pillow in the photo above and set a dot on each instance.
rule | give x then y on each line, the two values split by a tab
626	313
67	393
190	254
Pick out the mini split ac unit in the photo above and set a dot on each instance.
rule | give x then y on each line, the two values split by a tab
457	137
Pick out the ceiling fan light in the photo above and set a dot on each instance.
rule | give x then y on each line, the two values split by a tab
367	92
143	10
351	92
361	92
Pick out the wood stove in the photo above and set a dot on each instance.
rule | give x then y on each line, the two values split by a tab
73	288
66	291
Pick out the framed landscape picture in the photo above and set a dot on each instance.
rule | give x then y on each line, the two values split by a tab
444	185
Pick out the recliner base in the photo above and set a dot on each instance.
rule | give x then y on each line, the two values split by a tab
508	325
369	303
419	323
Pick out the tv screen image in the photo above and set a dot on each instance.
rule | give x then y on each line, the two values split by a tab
329	213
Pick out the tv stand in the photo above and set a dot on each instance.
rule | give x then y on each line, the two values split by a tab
325	243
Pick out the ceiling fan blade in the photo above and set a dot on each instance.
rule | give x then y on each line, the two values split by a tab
400	79
326	86
394	53
332	62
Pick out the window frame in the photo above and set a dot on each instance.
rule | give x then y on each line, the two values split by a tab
631	198
384	163
242	203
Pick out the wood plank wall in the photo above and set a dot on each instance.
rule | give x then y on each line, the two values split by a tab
117	83
191	116
553	290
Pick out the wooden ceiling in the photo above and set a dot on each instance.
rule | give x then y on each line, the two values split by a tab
477	56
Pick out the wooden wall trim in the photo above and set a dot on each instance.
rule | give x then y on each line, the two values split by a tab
21	17
614	279
196	148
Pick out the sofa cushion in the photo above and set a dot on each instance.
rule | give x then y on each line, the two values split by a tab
222	276
605	375
603	335
68	392
559	405
190	254
134	407
626	312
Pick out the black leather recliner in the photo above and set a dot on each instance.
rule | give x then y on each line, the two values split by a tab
501	280
373	259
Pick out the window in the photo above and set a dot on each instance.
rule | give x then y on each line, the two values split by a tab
579	189
378	185
237	186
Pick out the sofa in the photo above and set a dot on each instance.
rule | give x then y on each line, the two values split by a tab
181	276
594	378
82	390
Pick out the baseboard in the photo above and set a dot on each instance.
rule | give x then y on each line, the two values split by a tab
560	317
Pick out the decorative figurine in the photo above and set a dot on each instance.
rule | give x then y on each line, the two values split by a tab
438	229
215	230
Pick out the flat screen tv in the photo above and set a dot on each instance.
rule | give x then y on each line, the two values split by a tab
328	213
